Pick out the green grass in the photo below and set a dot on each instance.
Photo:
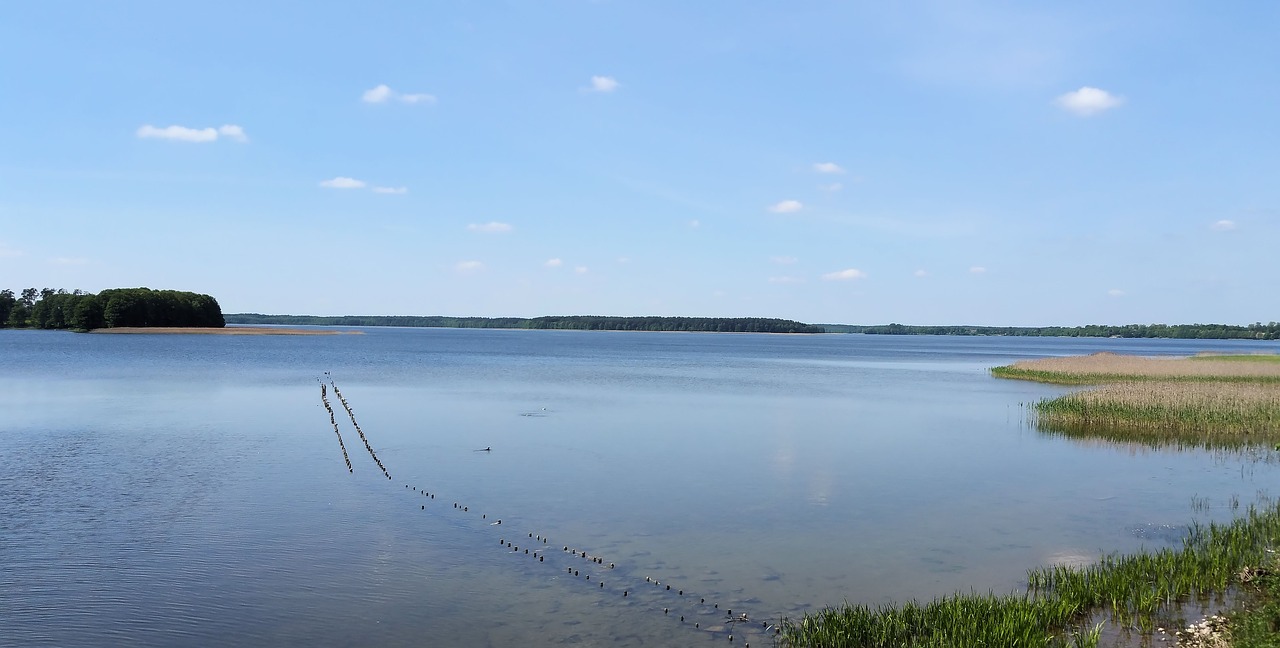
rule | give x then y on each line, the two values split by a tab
1257	623
1136	590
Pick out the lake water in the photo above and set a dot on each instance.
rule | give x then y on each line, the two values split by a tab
180	490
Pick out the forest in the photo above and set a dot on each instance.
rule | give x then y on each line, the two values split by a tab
1257	331
571	322
116	307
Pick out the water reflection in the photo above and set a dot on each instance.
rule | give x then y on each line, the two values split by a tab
174	491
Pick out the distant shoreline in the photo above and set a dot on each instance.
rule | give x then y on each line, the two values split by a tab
230	330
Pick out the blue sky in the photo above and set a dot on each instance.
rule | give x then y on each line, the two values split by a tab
916	162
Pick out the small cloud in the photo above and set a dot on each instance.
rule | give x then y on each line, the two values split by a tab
833	187
417	98
784	260
231	131
1088	101
7	252
580	269
1224	225
1115	292
787	207
68	261
383	93
624	260
921	273
695	223
490	228
178	133
467	267
391	190
827	167
377	95
603	84
342	182
785	280
978	270
845	275
553	263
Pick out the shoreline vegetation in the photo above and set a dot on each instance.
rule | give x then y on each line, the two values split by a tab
1205	400
116	307
568	322
230	330
1257	331
1213	399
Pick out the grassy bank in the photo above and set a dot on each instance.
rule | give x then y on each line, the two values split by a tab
1206	400
1142	591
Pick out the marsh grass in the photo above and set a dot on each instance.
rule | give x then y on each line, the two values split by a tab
1207	400
1138	591
1245	412
1100	368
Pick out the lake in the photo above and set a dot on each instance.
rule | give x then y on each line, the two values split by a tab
189	489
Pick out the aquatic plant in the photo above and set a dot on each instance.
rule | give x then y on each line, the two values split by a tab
1133	590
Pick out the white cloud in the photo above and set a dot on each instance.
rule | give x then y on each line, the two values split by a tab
468	266
835	186
490	228
553	263
827	167
787	207
178	133
580	269
1115	292
695	223
784	260
785	280
7	252
845	275
624	260
604	84
231	131
391	190
68	261
921	273
1224	225
978	270
377	95
1088	101
342	182
383	93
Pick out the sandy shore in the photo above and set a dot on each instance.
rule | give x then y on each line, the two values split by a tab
230	330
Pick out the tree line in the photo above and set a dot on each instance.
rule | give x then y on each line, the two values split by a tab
1256	331
568	322
83	311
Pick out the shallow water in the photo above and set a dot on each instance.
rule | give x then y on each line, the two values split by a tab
170	490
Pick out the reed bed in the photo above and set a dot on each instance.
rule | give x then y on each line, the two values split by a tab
1053	612
1204	400
1245	412
1110	367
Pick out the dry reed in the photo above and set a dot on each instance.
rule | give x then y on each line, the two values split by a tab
1231	399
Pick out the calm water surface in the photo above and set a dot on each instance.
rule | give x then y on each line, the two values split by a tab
180	490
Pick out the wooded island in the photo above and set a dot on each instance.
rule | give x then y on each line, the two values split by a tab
113	308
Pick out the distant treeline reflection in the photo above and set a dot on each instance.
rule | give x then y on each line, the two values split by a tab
573	322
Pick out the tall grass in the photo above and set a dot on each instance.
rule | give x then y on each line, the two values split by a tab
1206	399
1133	590
1241	411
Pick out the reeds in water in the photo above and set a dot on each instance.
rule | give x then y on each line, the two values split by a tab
1134	590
